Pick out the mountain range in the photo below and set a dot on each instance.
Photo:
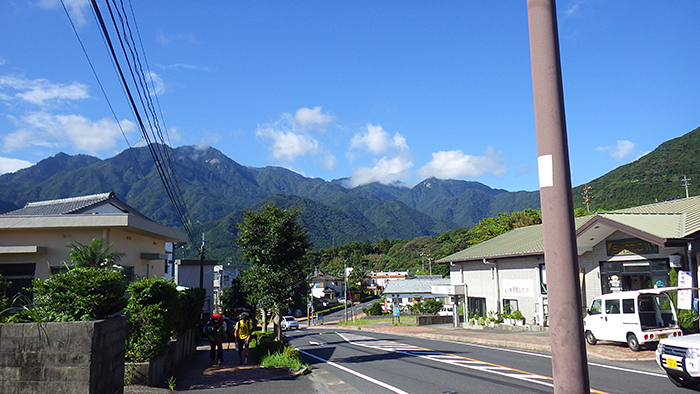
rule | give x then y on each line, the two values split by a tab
216	190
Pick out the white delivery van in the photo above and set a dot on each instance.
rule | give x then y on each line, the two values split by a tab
445	311
640	317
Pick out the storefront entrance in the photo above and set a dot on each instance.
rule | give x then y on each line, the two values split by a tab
633	275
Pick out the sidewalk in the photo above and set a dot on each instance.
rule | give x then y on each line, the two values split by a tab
195	373
524	340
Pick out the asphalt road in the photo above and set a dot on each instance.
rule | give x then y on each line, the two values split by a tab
370	362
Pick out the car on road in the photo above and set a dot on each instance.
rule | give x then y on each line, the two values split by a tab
680	358
289	323
637	317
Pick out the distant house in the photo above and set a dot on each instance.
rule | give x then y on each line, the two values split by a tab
417	289
33	239
378	280
326	286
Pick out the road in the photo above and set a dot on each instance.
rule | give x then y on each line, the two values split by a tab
371	362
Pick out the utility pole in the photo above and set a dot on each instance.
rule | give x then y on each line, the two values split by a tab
685	182
201	263
587	197
569	363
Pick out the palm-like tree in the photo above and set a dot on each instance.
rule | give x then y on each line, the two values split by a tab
94	254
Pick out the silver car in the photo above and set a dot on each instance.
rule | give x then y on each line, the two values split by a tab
289	323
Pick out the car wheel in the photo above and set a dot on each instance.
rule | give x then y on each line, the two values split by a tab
633	342
590	338
679	381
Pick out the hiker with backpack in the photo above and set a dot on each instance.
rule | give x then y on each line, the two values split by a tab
216	332
242	333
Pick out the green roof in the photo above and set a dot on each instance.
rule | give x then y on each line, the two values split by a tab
668	220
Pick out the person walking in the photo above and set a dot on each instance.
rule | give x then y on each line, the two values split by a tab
242	331
216	332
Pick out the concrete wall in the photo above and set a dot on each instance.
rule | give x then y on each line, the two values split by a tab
156	372
70	358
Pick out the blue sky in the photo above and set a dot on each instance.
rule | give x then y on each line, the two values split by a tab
393	91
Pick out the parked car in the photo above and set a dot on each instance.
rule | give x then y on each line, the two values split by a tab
639	317
445	311
680	358
289	323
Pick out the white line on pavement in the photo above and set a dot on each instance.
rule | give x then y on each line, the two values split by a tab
348	370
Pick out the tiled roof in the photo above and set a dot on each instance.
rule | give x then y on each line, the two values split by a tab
666	220
72	205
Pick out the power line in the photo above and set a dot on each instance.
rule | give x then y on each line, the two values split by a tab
138	93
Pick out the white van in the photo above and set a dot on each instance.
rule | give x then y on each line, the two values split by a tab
640	317
445	311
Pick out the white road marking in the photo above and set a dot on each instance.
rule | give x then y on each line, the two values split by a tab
416	351
348	370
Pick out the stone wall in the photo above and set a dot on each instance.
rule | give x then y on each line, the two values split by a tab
156	372
65	358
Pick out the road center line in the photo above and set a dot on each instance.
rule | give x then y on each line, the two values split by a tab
359	375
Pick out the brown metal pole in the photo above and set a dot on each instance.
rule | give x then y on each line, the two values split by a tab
569	364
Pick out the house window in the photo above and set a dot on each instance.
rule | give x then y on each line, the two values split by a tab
510	305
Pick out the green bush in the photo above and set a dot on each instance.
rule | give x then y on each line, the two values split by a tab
78	294
153	310
189	308
374	310
431	306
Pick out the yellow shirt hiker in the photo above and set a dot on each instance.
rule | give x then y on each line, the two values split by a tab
242	332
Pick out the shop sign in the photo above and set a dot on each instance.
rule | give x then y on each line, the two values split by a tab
685	297
619	247
519	288
615	284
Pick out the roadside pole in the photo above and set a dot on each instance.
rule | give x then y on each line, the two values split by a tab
569	364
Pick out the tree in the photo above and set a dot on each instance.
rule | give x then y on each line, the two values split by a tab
94	254
275	243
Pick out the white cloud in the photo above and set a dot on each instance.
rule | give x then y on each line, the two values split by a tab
40	91
328	162
185	66
455	164
75	131
622	150
377	141
11	165
286	144
76	8
385	171
156	83
177	39
310	118
291	136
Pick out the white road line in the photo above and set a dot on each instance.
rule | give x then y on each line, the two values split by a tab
348	370
660	375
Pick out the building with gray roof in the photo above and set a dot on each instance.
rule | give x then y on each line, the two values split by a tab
34	238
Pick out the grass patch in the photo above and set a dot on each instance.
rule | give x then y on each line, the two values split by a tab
288	358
